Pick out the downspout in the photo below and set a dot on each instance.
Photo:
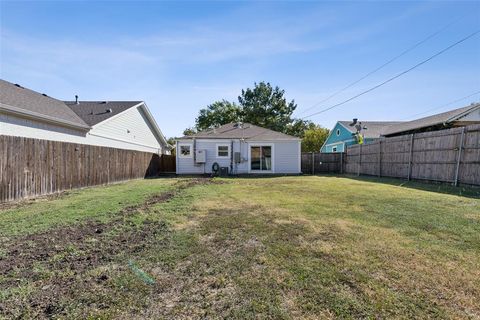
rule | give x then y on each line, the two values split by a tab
194	151
231	156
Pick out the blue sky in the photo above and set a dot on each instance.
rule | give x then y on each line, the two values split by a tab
182	56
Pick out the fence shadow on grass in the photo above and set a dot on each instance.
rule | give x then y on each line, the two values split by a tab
462	190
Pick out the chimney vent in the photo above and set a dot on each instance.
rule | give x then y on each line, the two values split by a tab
76	99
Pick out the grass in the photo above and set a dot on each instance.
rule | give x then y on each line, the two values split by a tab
280	248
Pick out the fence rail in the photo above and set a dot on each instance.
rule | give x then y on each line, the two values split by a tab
32	167
451	155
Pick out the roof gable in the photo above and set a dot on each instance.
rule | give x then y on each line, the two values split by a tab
94	112
339	133
20	100
247	131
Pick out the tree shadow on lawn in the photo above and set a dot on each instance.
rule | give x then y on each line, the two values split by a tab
439	187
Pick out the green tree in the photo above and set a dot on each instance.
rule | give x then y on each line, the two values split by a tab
217	114
189	131
266	107
171	141
314	138
298	127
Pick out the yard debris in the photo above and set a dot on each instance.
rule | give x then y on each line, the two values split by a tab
140	273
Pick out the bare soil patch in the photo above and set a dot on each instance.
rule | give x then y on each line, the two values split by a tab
58	262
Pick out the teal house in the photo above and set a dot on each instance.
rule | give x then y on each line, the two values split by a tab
343	135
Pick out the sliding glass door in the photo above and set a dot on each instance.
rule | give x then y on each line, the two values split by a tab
261	158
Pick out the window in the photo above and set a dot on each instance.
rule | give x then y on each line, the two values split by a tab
334	149
338	132
185	150
261	158
223	151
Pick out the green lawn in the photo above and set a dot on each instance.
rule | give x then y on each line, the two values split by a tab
285	247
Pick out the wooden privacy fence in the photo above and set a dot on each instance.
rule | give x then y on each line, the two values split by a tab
168	164
316	162
31	167
451	155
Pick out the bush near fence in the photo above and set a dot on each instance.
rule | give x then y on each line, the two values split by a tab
32	167
451	155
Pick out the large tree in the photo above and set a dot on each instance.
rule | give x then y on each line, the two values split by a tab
264	105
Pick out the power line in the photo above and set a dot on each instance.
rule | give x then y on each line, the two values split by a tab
396	76
382	66
442	106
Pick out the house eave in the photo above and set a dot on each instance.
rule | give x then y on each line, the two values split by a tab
41	117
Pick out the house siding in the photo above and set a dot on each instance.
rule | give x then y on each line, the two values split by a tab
112	133
132	128
340	141
286	156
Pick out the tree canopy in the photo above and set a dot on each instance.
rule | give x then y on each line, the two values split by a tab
264	106
218	113
313	138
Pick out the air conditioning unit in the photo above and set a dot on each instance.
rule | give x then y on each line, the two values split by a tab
223	171
200	156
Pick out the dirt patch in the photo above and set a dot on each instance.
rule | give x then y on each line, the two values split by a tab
56	262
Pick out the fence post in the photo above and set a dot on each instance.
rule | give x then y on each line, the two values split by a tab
379	158
460	148
341	161
410	157
313	162
359	161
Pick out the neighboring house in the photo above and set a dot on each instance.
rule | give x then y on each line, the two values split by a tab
117	124
242	149
342	135
454	118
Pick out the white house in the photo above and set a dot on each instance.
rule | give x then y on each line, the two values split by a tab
240	149
117	124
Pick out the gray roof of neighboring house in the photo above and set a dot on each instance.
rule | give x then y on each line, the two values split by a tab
374	128
19	100
249	132
436	119
93	112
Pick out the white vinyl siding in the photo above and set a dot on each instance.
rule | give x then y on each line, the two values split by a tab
130	126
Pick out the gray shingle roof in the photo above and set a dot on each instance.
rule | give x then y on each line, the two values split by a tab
249	132
374	128
93	112
436	119
19	100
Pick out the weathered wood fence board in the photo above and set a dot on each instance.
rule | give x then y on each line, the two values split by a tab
316	162
31	167
451	155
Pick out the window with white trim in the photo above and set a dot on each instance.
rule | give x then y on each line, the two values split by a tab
334	149
185	150
223	151
338	132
